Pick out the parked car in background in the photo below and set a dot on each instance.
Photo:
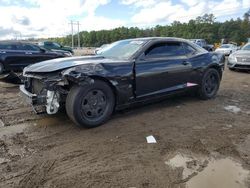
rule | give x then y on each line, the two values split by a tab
240	59
55	46
14	55
203	43
127	72
227	49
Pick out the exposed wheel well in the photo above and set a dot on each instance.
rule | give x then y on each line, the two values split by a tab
106	81
216	67
101	79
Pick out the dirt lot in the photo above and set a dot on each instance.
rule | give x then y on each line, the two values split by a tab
199	143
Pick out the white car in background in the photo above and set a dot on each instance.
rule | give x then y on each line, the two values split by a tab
240	59
226	49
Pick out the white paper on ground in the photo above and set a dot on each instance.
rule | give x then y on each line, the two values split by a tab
151	139
233	109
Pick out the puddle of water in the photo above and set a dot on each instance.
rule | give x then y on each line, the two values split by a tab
223	173
181	161
207	173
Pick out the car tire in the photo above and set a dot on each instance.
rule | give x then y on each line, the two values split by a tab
91	105
209	85
1	68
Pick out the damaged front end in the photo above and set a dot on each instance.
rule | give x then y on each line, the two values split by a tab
42	94
48	92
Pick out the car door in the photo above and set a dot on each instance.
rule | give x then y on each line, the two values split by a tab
14	57
34	54
163	67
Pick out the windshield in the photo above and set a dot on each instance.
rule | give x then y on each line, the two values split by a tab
121	49
246	47
56	45
225	46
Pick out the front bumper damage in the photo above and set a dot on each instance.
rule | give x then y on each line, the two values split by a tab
48	93
49	103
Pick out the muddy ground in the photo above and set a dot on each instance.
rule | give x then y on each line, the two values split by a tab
50	151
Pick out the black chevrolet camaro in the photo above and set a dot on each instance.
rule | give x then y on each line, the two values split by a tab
122	74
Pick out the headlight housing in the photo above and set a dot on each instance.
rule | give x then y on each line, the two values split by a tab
232	58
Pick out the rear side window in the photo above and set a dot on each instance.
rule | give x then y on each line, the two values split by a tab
27	47
7	47
56	45
166	49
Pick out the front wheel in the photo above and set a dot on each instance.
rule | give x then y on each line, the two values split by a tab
210	84
91	105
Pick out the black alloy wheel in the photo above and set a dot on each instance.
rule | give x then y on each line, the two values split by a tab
210	84
90	105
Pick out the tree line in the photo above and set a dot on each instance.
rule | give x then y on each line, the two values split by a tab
205	27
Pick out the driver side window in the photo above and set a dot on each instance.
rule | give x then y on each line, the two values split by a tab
165	49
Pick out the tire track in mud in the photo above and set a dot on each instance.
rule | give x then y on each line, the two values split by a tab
14	110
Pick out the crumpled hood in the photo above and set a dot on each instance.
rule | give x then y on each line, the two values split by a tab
242	53
63	63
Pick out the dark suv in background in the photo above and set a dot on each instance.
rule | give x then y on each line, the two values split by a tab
55	46
15	55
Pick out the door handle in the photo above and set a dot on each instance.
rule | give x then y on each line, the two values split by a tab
185	63
28	53
2	52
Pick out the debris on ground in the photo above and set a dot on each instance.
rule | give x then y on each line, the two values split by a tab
151	139
233	109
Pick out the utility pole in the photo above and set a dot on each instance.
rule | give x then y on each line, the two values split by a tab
78	35
72	23
72	33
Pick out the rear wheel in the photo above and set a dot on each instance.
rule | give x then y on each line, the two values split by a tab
91	105
210	84
1	68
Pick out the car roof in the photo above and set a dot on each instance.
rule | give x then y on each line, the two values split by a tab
16	42
158	39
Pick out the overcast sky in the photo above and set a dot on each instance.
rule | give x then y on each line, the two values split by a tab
50	18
